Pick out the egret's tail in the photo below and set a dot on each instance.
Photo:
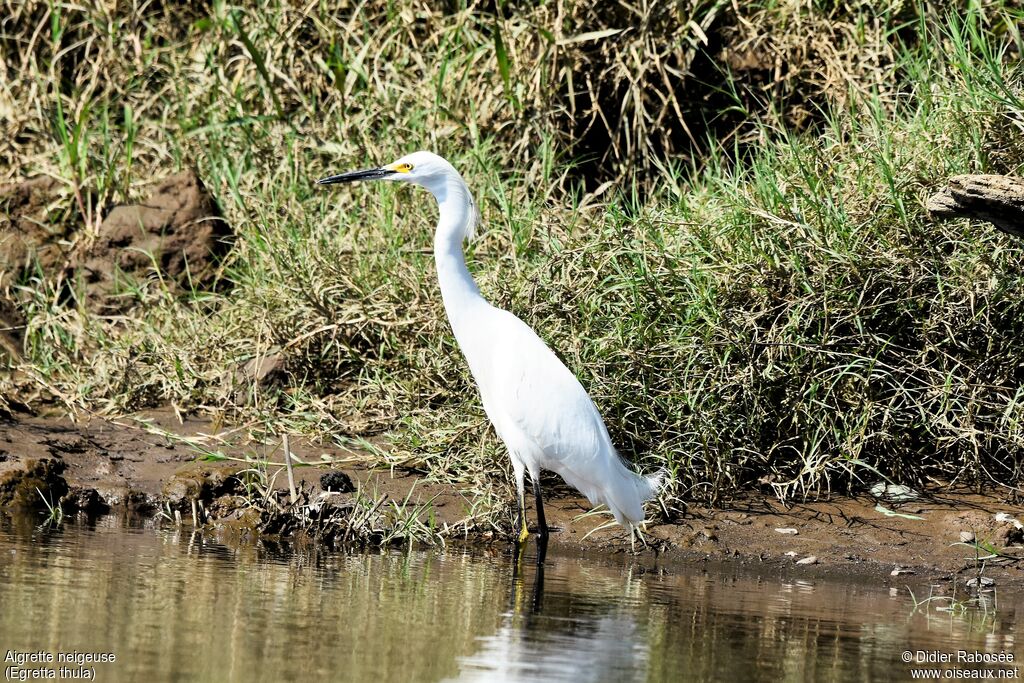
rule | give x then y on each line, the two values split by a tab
628	491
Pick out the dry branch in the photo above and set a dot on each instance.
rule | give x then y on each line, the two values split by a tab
998	199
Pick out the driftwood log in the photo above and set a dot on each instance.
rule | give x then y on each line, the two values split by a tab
998	199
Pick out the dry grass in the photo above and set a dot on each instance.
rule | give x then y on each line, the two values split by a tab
750	290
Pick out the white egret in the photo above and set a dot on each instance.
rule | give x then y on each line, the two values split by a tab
537	406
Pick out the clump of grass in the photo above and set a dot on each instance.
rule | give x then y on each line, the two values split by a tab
983	604
54	510
251	499
363	519
764	304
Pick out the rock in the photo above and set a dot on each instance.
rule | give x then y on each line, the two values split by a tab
260	368
898	571
199	482
967	537
228	506
1013	536
810	559
265	370
789	531
177	234
85	500
980	582
897	493
337	481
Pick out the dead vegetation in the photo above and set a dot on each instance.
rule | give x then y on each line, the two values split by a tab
713	210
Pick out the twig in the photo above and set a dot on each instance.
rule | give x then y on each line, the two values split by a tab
288	466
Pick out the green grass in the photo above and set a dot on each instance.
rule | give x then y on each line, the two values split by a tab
761	302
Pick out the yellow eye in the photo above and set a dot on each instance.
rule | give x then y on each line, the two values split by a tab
403	168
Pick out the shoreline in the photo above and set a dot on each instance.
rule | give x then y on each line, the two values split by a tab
106	467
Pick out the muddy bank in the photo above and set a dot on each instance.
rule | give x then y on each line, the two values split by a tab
126	467
176	237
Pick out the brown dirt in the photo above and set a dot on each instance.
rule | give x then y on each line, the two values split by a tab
125	467
176	234
34	229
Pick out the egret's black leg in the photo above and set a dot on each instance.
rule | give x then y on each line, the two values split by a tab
542	525
542	551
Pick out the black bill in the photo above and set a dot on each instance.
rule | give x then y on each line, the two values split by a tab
352	176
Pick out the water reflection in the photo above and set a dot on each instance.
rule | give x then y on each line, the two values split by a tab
165	600
589	639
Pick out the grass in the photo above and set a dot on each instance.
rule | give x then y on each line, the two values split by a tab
252	500
978	610
366	519
739	269
55	512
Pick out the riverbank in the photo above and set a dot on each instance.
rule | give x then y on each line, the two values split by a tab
759	296
162	469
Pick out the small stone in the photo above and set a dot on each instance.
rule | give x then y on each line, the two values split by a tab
896	493
789	531
791	553
898	570
967	537
810	559
981	582
338	481
262	369
1003	517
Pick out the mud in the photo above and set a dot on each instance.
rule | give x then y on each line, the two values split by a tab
35	230
176	234
125	468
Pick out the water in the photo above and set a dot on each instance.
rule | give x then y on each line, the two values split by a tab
169	605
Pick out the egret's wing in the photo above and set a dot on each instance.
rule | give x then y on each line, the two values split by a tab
547	420
533	389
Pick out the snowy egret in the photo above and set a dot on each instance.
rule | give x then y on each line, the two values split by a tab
537	406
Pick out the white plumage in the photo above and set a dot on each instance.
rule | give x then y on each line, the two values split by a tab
538	408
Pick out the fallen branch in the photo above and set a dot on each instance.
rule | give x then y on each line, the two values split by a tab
998	199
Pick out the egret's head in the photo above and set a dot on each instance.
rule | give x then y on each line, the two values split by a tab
420	168
427	170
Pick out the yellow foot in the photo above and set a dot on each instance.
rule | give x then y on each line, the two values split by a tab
523	534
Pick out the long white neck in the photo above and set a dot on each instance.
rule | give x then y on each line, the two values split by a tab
458	290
